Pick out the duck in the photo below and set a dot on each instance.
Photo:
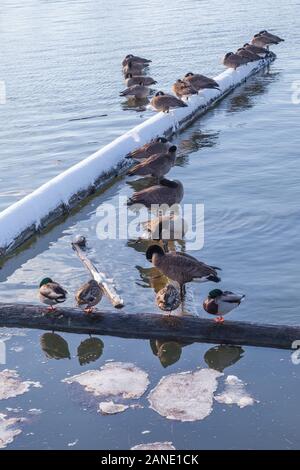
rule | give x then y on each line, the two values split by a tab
89	294
250	56
136	91
51	293
261	51
166	227
157	165
220	303
200	82
133	68
181	267
135	59
130	80
261	40
233	61
159	145
163	102
167	192
181	89
168	298
274	37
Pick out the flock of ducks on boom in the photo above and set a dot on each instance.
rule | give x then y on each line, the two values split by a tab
156	159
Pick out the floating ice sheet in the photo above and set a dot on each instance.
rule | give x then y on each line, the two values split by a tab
187	396
11	385
113	379
111	408
154	446
8	429
235	393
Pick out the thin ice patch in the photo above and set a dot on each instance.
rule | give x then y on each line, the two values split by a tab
187	396
111	408
235	393
154	446
8	429
113	379
11	385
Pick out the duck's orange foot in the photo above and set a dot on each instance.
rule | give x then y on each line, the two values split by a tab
51	309
88	310
219	320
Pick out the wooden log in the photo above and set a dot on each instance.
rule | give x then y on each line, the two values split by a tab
99	277
149	326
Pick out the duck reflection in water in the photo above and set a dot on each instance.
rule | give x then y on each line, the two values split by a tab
54	346
223	356
90	350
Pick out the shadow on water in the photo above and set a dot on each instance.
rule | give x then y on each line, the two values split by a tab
135	105
223	356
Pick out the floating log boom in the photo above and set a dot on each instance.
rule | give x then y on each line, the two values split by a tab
149	326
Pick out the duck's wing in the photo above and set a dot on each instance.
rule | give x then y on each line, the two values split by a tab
192	264
53	291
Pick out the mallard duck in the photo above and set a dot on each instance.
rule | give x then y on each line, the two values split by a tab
166	192
233	61
221	302
181	267
135	59
163	102
157	165
250	56
200	82
136	91
168	298
261	51
159	145
138	80
89	294
181	89
51	293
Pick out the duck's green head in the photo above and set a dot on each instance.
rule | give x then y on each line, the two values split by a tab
215	293
46	280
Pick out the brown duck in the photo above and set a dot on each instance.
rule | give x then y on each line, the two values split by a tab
135	59
250	56
181	89
200	82
166	192
158	165
233	61
138	80
261	51
181	267
136	91
133	68
159	145
163	102
274	37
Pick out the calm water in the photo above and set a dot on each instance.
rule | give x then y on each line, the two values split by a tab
61	64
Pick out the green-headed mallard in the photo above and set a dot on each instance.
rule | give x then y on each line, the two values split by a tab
89	295
51	293
181	267
220	303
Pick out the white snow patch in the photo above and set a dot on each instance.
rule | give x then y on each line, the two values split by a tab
30	210
187	396
235	393
72	444
154	446
8	429
11	385
113	379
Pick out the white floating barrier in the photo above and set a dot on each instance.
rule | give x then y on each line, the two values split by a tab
50	201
